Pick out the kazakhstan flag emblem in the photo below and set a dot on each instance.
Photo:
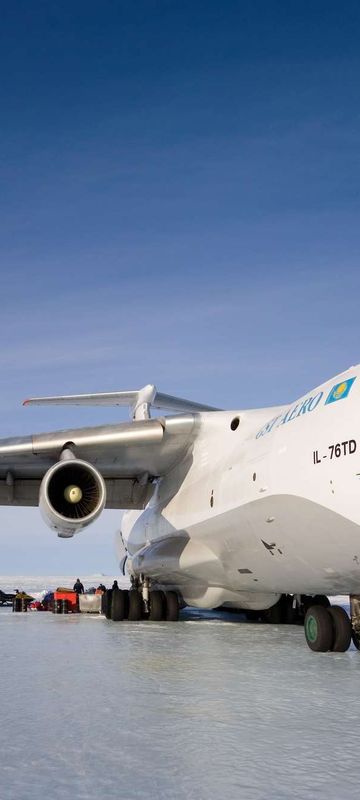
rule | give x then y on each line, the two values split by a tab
340	391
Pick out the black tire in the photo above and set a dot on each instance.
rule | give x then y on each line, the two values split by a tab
106	603
172	606
276	614
119	605
57	607
135	606
64	606
319	629
321	600
157	606
342	629
290	614
250	614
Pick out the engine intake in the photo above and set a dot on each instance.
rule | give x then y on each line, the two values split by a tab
72	495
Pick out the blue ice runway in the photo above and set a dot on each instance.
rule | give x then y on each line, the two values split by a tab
208	708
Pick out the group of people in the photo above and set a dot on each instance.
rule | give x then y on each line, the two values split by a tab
79	587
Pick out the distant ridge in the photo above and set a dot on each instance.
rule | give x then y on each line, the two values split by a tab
37	583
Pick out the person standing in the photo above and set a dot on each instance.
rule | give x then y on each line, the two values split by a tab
78	586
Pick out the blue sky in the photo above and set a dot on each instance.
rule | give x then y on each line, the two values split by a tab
180	205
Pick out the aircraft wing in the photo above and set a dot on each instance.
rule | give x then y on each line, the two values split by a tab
128	456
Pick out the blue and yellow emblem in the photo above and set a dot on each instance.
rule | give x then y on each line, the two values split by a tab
340	391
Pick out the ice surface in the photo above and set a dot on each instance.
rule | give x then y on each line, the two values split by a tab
207	708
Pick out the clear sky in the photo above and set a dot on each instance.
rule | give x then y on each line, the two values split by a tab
179	205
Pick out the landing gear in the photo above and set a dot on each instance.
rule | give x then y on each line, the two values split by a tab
163	606
119	604
355	619
172	606
314	600
342	629
319	629
274	615
157	609
106	603
135	606
141	602
327	628
284	612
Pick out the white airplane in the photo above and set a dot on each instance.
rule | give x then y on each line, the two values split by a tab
252	509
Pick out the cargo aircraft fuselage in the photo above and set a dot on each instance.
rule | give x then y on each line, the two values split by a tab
266	503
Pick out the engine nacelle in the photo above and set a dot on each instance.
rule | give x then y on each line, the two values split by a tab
72	495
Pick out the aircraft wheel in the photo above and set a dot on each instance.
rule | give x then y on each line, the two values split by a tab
342	628
106	603
252	616
172	606
119	605
319	629
276	614
135	606
157	605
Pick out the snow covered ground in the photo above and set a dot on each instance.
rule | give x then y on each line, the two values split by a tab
38	583
207	708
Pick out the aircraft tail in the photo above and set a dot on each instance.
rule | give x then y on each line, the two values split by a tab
139	401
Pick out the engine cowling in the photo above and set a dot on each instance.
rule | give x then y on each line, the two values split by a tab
72	495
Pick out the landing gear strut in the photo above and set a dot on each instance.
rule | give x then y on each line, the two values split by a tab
291	609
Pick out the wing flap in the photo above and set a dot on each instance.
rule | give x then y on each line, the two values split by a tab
127	494
120	493
19	492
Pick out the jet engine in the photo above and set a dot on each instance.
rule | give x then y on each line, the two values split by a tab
72	495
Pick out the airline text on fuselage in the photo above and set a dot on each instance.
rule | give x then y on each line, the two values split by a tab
303	407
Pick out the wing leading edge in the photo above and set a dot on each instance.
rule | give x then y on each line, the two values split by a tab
128	455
